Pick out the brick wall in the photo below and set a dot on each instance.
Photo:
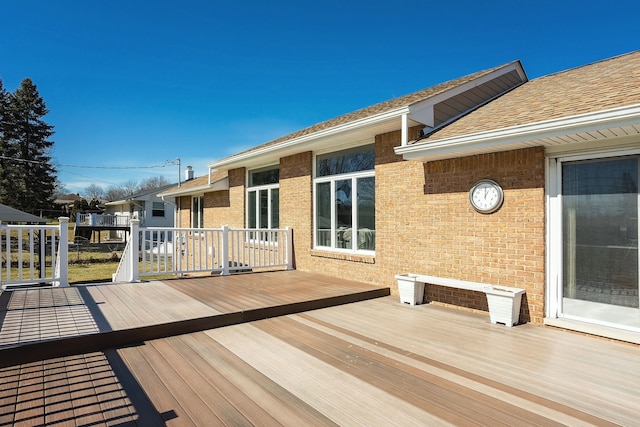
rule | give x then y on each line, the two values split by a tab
424	222
296	204
427	225
220	207
184	211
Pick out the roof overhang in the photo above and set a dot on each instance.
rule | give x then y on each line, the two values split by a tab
342	136
604	125
220	185
452	102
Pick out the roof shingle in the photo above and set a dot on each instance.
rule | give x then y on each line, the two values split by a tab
602	85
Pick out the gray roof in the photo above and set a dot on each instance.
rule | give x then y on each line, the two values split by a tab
11	215
141	194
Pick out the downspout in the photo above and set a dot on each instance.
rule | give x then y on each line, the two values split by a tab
404	129
177	213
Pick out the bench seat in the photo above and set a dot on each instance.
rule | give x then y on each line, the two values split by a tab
503	301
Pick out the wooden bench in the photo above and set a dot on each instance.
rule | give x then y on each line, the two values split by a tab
452	283
503	301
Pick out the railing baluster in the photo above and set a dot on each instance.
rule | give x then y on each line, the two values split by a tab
211	250
9	261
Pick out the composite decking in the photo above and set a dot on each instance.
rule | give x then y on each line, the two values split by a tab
372	362
50	322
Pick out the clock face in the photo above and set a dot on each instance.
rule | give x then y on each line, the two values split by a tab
486	196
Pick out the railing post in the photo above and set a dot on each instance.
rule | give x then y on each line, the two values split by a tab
62	265
225	250
289	248
134	242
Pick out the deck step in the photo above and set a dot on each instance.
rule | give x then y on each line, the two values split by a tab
78	344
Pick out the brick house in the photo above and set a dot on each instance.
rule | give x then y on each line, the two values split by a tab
386	190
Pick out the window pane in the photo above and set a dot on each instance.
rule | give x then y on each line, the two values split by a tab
323	214
275	208
346	161
195	206
600	233
344	211
157	209
366	213
197	212
264	209
251	210
264	177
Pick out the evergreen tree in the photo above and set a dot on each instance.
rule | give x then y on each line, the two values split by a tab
28	179
4	163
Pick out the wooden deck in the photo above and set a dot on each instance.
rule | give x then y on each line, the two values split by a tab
52	322
372	362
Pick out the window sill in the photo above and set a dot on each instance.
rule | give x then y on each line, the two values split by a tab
342	256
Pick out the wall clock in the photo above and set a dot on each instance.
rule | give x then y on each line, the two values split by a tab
486	196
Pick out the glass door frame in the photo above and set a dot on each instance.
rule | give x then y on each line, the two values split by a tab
554	232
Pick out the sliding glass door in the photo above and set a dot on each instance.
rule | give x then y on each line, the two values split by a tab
600	205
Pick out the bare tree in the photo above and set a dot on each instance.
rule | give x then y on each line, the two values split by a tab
153	183
93	191
121	191
129	187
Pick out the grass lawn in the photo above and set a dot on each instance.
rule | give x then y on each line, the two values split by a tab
94	272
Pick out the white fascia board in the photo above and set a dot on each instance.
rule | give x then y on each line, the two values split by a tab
222	184
519	135
301	143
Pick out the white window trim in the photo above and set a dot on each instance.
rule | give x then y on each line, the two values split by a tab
257	189
354	213
200	211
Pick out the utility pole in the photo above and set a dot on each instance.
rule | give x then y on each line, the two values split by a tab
179	172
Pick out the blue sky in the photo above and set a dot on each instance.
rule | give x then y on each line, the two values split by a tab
133	84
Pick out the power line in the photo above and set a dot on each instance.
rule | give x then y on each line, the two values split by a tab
88	177
166	163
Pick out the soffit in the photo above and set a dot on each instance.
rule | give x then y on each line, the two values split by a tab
618	126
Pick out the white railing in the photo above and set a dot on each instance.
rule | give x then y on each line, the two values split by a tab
102	220
161	251
34	254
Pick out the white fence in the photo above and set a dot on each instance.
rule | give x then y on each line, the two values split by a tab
153	251
34	254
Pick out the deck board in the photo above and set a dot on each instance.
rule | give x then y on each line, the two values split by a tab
343	365
372	362
129	312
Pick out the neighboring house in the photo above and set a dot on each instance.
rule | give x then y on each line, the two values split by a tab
147	206
9	215
189	198
386	190
65	202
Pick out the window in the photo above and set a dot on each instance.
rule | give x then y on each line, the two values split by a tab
345	200
263	198
157	209
197	212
